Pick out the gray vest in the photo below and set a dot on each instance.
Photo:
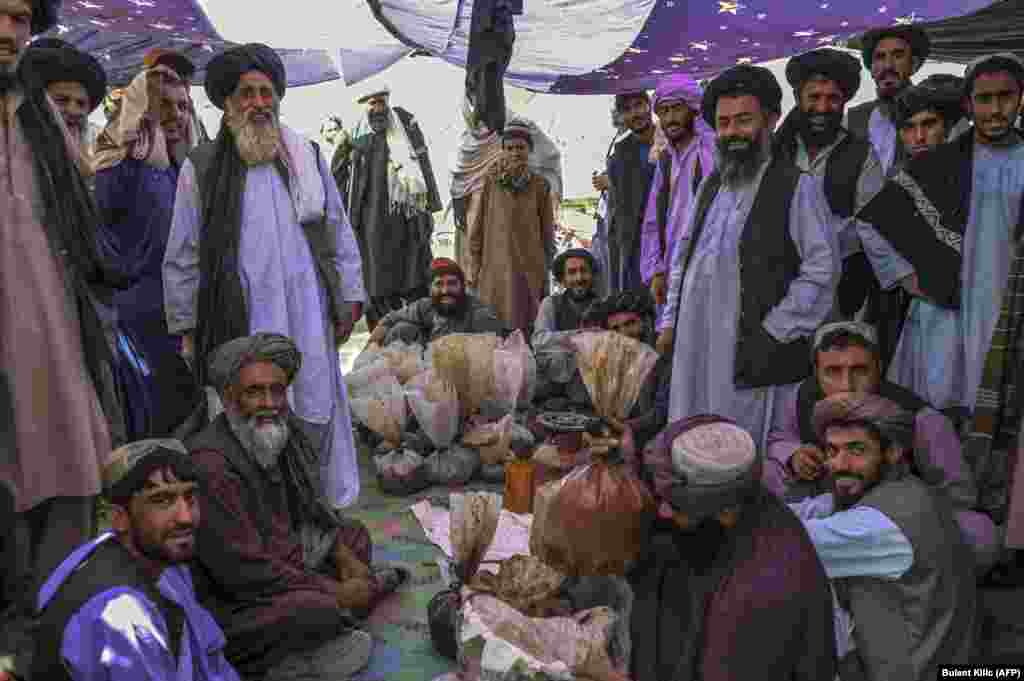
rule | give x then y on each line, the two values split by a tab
906	628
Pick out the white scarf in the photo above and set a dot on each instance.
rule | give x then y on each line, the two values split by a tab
306	185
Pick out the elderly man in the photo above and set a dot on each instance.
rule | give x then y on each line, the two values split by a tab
890	545
846	359
279	568
953	217
754	273
928	113
892	54
733	591
259	242
122	606
511	238
687	159
449	309
387	183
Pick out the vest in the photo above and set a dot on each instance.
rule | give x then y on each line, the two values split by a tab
567	316
842	171
664	198
109	566
858	118
906	628
769	263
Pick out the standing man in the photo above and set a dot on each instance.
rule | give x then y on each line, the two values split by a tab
954	218
687	159
260	242
388	186
929	112
892	54
630	172
755	270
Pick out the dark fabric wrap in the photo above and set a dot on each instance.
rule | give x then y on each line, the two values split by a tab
569	316
630	176
50	60
858	117
664	199
227	68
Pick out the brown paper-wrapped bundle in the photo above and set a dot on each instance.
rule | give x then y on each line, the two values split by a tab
614	368
467	362
525	583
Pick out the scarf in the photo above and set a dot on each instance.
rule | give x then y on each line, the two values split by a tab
407	187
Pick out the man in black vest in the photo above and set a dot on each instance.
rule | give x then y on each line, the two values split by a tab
846	359
891	546
893	54
755	273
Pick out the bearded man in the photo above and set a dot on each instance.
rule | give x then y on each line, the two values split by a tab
890	545
685	161
280	569
755	270
449	309
260	242
893	54
387	183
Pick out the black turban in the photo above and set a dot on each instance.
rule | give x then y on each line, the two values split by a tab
920	43
941	93
834	65
44	15
229	359
227	68
558	267
742	80
50	60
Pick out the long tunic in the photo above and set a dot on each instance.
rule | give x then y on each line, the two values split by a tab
630	174
511	243
283	295
707	298
883	137
57	437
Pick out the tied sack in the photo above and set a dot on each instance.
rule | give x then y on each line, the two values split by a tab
453	466
466	360
614	369
401	472
515	373
435	403
380	406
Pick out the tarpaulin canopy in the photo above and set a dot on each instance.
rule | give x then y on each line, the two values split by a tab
609	46
120	32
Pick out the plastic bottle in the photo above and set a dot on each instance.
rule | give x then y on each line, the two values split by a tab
519	486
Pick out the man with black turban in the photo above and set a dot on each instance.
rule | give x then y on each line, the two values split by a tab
280	569
927	114
755	270
259	240
893	54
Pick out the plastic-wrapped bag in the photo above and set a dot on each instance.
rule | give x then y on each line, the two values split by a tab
466	360
524	582
381	407
406	360
493	440
515	372
361	379
614	368
435	404
401	472
493	473
453	466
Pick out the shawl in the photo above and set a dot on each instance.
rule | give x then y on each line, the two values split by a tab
407	185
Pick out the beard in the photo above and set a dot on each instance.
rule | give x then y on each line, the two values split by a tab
453	309
257	142
264	442
820	129
168	548
379	121
742	157
850	488
580	293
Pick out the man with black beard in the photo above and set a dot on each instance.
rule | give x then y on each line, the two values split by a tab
892	54
891	546
754	273
449	309
387	184
280	569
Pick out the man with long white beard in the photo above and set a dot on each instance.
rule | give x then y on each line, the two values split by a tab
260	242
755	270
283	573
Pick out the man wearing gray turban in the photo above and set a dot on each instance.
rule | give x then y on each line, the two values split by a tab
281	570
733	582
891	546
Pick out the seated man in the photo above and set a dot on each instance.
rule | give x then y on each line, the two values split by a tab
846	359
734	591
889	543
280	569
449	309
122	606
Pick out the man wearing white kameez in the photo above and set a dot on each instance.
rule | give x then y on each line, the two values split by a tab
756	271
260	243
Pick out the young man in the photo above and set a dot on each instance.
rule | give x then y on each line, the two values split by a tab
122	607
927	113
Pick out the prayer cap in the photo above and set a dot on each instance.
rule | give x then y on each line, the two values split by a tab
742	80
51	60
941	93
227	68
518	128
44	15
129	466
175	61
920	43
990	63
858	329
383	91
891	420
441	266
834	65
228	359
679	88
558	267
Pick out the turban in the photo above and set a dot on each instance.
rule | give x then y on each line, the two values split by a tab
834	65
227	68
920	44
679	88
50	60
228	359
518	128
891	420
558	267
175	61
990	63
941	93
713	465
44	15
742	80
859	329
441	266
128	467
381	92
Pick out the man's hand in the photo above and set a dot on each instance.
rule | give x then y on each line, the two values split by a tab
353	594
380	332
808	462
343	328
665	341
187	347
348	564
600	182
912	286
658	289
